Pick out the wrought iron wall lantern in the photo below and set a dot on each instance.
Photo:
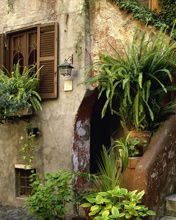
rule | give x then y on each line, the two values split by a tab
65	70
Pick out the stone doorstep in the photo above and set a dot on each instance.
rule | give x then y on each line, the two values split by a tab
171	204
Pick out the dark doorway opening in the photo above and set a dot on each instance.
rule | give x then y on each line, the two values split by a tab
101	130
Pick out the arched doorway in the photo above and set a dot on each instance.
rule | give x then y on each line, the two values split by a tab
91	132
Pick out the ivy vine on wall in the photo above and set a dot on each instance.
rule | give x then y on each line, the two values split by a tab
165	18
168	11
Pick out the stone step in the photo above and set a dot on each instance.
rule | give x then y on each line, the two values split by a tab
171	205
168	218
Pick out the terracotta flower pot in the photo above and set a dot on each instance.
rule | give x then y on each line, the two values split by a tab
129	175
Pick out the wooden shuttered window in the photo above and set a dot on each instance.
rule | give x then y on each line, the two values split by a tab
2	51
47	57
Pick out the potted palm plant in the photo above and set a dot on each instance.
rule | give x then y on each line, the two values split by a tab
137	82
18	92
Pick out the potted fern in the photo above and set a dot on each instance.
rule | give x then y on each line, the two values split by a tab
137	82
18	92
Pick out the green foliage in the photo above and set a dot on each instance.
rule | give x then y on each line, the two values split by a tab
128	147
54	191
118	203
136	83
28	147
50	195
18	91
109	169
164	18
133	149
168	12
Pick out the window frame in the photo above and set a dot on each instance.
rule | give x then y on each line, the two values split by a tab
50	91
18	178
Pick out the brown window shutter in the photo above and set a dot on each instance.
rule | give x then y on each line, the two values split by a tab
47	56
2	51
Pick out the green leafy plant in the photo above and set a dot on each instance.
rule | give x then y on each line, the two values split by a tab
18	91
28	147
50	195
136	83
133	147
128	147
118	203
109	169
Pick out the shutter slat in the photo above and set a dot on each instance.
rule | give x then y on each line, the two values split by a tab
47	60
46	77
47	40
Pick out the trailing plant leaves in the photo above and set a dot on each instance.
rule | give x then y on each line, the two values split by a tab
19	91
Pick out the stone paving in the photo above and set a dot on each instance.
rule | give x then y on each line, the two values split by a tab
12	213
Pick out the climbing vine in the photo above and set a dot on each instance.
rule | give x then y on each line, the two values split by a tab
165	18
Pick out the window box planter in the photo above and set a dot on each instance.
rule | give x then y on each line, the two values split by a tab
22	113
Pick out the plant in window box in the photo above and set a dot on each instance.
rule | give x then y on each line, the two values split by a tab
18	92
137	82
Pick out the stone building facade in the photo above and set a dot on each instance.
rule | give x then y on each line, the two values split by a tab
85	29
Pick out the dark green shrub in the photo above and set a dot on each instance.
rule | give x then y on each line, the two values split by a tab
50	195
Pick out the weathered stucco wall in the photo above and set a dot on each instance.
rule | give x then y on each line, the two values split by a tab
110	27
56	120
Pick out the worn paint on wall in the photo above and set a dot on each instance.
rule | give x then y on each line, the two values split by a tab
110	27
